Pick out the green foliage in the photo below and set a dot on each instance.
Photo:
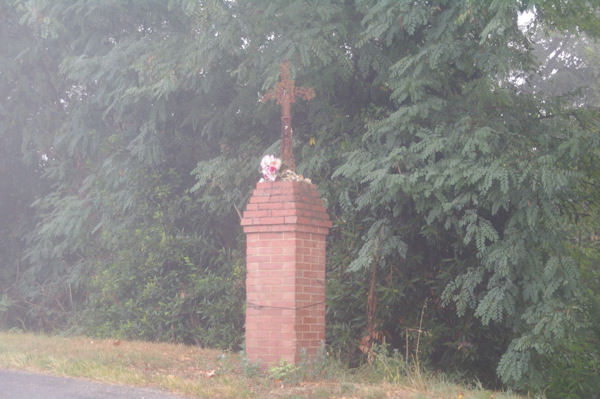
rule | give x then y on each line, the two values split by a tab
161	291
572	371
120	238
573	367
27	111
319	366
483	168
566	15
446	175
285	372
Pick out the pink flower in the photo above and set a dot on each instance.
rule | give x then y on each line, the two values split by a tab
269	166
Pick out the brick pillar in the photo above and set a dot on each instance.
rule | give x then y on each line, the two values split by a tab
285	225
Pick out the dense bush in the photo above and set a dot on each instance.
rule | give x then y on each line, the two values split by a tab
572	369
454	186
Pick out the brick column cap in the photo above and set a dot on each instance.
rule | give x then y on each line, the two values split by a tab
286	206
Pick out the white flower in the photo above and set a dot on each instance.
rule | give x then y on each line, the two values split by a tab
269	167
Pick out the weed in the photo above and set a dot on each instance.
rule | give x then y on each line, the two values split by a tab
390	367
321	366
250	369
287	372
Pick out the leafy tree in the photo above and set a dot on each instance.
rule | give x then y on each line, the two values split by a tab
569	69
453	189
29	112
488	168
563	15
121	164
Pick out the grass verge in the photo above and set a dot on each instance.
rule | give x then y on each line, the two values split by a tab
204	373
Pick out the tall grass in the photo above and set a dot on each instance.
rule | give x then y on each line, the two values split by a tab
198	372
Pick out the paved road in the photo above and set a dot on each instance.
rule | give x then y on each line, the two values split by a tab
22	385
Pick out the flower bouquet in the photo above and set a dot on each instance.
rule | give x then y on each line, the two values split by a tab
270	169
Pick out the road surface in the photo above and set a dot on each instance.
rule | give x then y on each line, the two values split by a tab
25	385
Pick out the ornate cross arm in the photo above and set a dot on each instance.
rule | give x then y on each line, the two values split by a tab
285	93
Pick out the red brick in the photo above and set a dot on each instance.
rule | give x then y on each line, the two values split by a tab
267	251
310	289
303	281
258	259
282	258
275	280
316	298
303	250
269	266
307	229
270	236
270	205
286	184
259	199
311	274
302	327
318	252
296	205
257	229
286	225
283	227
270	220
318	266
254	243
309	243
285	212
252	237
310	259
291	219
257	214
289	267
285	197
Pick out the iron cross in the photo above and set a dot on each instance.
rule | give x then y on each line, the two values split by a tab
285	92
